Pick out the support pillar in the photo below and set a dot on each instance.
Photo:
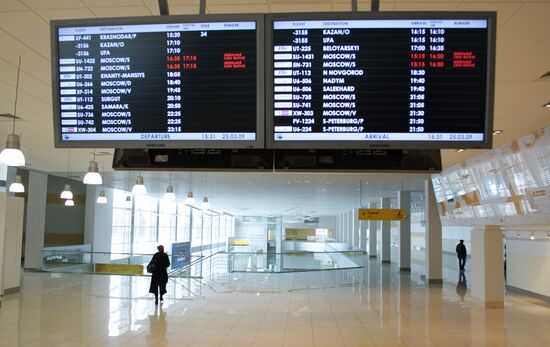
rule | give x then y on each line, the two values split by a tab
487	266
385	251
89	213
349	228
356	231
404	199
434	251
36	220
373	229
342	227
337	229
363	233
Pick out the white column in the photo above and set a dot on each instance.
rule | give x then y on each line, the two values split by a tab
385	252
11	237
487	266
434	251
341	227
103	223
345	227
356	231
349	228
363	233
373	229
89	214
404	199
36	220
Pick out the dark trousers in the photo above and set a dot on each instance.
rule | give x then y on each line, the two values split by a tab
461	263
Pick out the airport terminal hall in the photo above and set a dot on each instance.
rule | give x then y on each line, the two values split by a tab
274	173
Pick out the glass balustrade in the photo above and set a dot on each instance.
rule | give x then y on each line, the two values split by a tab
83	261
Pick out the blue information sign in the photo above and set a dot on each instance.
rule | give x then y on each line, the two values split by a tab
181	254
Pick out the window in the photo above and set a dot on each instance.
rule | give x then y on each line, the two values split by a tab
121	234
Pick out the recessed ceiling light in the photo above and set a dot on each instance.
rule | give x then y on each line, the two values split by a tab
460	150
497	132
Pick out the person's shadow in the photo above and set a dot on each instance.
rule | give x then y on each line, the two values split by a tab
461	286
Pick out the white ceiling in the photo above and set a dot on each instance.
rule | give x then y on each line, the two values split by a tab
523	55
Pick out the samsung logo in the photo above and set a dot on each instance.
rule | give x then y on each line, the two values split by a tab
155	145
379	145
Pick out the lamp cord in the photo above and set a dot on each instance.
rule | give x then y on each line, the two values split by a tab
68	166
16	94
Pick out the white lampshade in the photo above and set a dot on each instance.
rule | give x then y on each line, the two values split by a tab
139	188
170	195
69	203
102	198
190	200
66	193
12	155
93	176
205	204
17	185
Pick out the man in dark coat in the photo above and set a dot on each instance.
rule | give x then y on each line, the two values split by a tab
159	277
461	254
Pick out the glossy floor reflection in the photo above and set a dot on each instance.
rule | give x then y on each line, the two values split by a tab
374	306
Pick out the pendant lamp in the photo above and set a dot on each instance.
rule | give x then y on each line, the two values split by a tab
190	200
102	198
12	155
169	195
139	188
93	176
17	185
67	194
205	204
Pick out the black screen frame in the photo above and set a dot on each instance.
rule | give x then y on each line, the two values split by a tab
490	81
259	142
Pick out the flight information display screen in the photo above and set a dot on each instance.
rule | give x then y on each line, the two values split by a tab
158	84
410	81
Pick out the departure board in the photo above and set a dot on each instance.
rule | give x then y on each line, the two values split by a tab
161	82
408	81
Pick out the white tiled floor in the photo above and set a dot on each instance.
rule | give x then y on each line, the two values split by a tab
375	306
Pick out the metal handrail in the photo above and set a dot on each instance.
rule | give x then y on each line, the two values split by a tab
194	263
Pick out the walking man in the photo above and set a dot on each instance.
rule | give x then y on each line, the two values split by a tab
461	254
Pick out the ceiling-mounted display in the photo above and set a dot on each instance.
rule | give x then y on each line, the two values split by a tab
169	81
380	80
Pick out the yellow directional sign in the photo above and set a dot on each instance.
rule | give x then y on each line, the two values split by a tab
122	269
381	214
